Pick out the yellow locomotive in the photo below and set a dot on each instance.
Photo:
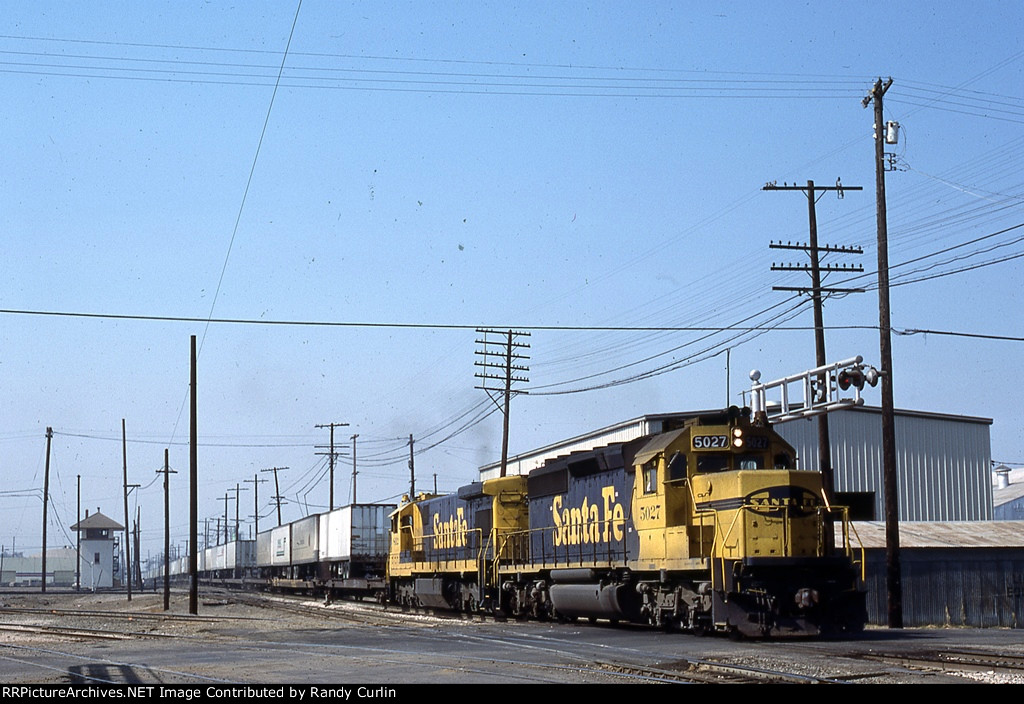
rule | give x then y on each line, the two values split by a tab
703	528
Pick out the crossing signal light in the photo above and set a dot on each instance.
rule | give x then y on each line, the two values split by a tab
857	376
850	377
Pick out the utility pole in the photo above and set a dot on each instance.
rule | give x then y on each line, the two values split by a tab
331	456
238	490
816	291
127	541
225	500
78	540
46	497
354	467
277	490
894	583
412	472
167	472
137	547
256	481
509	367
193	470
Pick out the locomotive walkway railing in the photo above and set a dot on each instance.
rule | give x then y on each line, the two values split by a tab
594	544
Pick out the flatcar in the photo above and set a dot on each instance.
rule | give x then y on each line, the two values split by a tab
341	552
336	553
705	528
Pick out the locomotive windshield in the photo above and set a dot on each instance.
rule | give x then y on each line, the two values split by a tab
718	462
712	463
750	461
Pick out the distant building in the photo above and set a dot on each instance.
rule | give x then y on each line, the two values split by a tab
27	571
1008	493
942	461
97	550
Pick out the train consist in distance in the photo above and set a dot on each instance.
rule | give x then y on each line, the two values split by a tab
704	528
338	553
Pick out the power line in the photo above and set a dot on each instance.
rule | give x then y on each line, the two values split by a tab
413	326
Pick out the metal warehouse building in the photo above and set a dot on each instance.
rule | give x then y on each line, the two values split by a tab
943	461
953	573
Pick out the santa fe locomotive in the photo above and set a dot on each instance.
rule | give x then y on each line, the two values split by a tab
704	528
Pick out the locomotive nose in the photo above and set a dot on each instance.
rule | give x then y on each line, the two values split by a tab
806	598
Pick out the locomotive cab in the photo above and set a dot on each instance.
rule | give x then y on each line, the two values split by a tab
722	493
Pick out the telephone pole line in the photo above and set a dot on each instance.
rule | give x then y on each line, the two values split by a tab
46	498
78	540
815	268
894	583
225	500
256	481
412	471
354	473
193	495
277	489
332	455
167	472
238	490
508	352
127	547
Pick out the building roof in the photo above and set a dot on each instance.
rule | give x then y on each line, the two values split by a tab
97	521
907	413
1014	491
945	534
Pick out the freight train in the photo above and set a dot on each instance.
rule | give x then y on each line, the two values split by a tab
707	527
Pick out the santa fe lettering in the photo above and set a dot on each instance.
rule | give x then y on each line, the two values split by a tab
587	523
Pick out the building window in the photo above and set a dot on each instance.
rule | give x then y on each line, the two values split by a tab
96	558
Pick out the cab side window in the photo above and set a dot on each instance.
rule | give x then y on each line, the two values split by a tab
650	476
676	467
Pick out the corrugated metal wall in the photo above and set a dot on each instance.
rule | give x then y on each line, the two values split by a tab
977	588
943	462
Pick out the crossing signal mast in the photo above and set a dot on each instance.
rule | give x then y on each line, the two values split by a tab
817	390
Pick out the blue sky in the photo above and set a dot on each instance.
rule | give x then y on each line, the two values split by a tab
425	168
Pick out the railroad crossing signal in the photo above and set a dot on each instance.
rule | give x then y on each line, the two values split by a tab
820	387
857	376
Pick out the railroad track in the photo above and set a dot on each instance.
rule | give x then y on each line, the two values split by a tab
129	615
63	631
355	613
706	672
1000	666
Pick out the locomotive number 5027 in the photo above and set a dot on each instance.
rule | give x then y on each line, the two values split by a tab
710	442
